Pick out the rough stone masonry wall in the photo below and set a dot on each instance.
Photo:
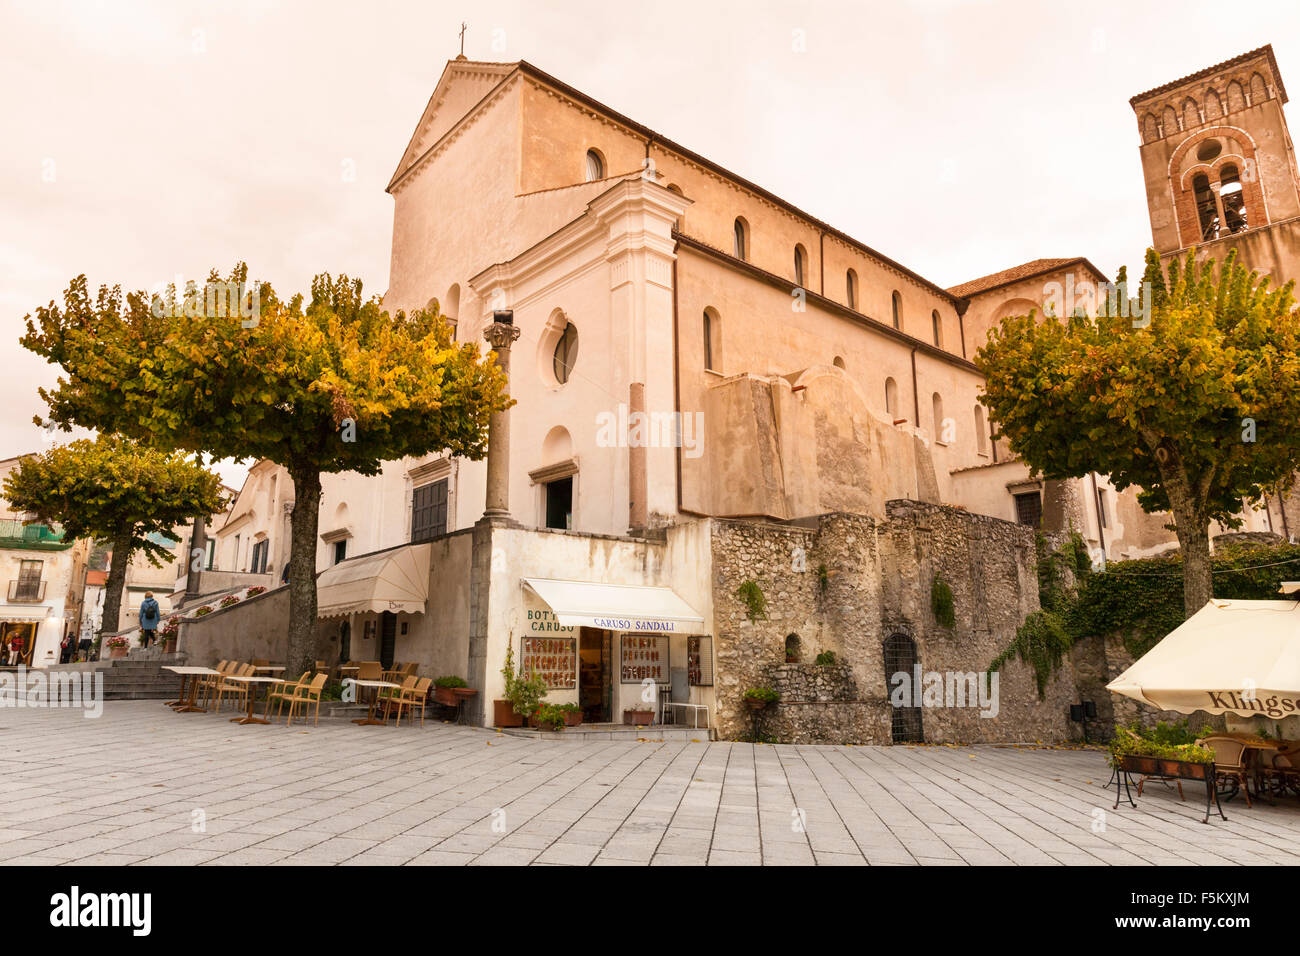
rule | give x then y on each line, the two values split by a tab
846	583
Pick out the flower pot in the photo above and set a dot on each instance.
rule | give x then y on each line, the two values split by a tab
754	704
572	718
115	652
169	645
635	716
503	715
446	695
463	693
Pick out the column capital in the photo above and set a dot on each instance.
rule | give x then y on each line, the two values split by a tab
501	335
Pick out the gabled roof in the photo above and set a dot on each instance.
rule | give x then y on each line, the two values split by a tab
1026	270
1265	50
432	125
424	140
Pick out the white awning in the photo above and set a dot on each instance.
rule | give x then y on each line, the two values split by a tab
1239	657
617	607
23	613
396	580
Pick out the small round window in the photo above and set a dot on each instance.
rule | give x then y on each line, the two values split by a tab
1209	150
566	352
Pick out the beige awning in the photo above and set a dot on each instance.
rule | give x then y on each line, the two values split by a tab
23	614
617	607
1239	657
396	580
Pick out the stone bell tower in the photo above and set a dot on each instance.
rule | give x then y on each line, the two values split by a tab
1219	165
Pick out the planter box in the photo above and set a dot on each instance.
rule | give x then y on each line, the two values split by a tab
572	718
446	695
503	715
463	693
116	652
755	704
638	717
1168	770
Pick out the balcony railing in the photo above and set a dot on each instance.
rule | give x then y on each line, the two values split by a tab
26	592
14	533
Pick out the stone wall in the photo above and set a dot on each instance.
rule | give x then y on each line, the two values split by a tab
847	583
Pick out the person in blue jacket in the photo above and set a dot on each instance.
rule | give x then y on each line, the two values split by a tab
150	614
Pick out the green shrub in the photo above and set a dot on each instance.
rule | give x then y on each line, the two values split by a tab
825	658
751	595
941	602
762	693
449	681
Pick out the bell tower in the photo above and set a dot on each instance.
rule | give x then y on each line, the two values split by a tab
1219	165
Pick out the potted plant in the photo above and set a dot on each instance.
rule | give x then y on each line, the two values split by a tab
229	601
638	714
572	714
170	631
503	712
756	698
254	591
117	646
1138	754
549	717
444	690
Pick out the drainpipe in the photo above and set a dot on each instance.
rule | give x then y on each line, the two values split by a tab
821	260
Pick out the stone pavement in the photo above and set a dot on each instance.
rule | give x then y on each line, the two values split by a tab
143	785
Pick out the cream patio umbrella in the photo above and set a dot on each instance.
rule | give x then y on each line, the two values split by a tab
1230	657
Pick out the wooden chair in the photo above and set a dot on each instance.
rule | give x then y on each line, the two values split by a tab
390	696
1283	772
306	695
237	690
415	697
1231	761
203	688
212	683
283	690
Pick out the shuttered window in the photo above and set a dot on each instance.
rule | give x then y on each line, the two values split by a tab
429	511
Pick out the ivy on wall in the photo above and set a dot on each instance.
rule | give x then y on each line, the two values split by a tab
941	603
1141	600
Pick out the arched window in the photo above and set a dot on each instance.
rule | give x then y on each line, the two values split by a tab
793	648
595	166
1207	209
741	238
1169	120
1233	199
851	289
898	310
1258	90
1236	97
936	403
800	264
981	434
712	340
451	307
891	397
1191	116
1213	108
938	327
1149	131
566	353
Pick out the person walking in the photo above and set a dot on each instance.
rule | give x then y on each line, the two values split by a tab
149	616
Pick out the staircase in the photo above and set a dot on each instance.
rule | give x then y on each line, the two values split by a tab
138	676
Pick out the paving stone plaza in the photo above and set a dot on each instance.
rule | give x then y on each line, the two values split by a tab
143	785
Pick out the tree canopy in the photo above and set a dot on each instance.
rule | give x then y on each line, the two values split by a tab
1198	406
116	490
327	383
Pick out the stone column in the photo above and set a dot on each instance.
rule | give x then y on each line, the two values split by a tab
501	334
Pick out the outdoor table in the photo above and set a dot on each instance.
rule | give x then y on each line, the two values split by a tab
369	719
187	704
268	668
251	679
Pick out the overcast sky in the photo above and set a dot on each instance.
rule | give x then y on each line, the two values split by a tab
145	140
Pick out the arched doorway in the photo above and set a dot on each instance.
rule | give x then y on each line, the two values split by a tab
901	658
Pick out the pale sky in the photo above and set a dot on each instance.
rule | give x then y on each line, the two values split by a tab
145	140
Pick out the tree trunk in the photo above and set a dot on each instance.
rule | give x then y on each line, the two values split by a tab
1193	530
303	526
115	585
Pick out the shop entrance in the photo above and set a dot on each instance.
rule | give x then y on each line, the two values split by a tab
595	674
16	644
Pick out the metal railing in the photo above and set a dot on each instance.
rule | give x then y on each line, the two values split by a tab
26	592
